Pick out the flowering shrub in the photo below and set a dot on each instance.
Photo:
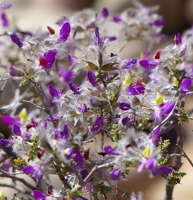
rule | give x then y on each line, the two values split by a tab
74	90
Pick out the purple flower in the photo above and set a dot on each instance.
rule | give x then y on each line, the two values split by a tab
111	151
39	195
115	174
129	63
97	125
104	14
15	39
64	32
66	75
117	19
129	120
183	49
72	59
157	22
148	64
65	132
161	170
77	157
155	136
6	143
33	170
5	5
148	164
48	59
157	114
167	107
10	121
185	84
5	22
83	109
74	87
53	91
16	130
135	89
178	39
92	78
97	39
124	105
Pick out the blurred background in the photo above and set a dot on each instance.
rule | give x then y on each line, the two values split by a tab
178	15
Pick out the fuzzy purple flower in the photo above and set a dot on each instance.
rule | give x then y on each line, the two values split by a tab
129	63
167	107
66	75
124	105
74	87
47	61
148	64
104	14
135	89
10	121
35	171
155	136
129	120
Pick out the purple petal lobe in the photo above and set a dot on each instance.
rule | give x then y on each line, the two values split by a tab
124	105
64	32
15	39
97	125
17	130
148	64
39	195
117	19
49	57
167	107
6	143
66	75
135	89
92	78
129	63
74	87
115	174
111	151
10	121
5	22
53	91
155	136
186	84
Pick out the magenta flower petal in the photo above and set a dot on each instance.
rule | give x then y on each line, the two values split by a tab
129	120
148	64
39	195
104	14
15	39
5	5
185	84
83	109
77	157
6	143
64	32
32	170
65	132
149	163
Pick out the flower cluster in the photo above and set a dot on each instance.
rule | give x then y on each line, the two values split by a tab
78	91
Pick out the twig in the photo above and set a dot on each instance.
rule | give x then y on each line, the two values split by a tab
16	187
39	107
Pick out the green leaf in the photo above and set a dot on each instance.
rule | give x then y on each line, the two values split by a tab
91	66
109	67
